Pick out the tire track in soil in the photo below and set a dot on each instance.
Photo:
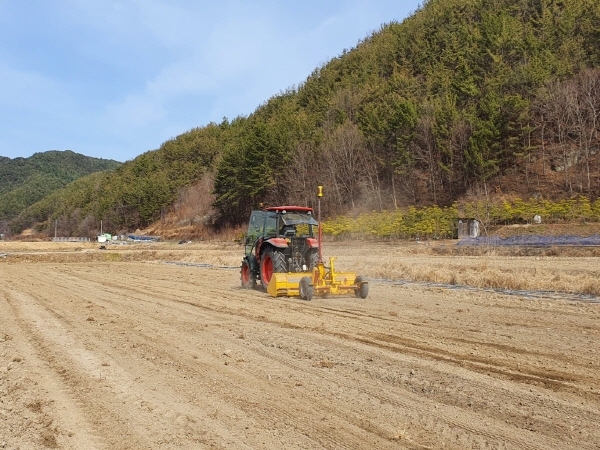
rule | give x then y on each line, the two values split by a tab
412	347
553	379
594	412
123	387
221	309
448	414
454	423
66	404
325	439
550	378
333	441
80	371
149	294
557	381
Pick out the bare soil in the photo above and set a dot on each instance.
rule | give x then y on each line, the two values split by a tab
142	347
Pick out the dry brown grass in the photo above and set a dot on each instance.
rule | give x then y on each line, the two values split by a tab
562	272
407	261
483	250
486	275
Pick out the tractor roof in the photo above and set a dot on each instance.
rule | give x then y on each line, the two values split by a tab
289	208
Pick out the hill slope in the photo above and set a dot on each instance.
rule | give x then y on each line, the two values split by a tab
24	181
464	98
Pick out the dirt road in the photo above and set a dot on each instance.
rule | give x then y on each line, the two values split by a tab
119	354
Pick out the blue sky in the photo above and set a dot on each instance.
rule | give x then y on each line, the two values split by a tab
116	78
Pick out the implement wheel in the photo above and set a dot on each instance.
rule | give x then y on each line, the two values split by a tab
306	290
272	261
363	290
248	279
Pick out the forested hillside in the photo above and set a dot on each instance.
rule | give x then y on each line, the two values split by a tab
463	98
24	181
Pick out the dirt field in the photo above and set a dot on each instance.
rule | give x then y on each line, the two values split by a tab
123	349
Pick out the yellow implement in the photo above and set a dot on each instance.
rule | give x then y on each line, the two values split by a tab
322	281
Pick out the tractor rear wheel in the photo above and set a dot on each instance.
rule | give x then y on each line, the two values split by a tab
248	279
306	289
312	258
272	261
363	290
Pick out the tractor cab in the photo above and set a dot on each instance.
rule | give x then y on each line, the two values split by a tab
300	224
279	239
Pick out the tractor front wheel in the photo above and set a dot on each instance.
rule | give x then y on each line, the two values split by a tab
248	279
272	261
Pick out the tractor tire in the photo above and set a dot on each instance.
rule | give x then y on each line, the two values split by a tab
306	289
363	290
248	279
312	258
272	261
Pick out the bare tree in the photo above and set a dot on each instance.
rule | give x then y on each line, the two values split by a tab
568	117
587	109
344	157
194	204
558	118
372	180
425	150
304	175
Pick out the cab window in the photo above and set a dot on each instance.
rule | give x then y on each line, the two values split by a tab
271	226
255	227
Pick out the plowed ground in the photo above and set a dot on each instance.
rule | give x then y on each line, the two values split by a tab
117	349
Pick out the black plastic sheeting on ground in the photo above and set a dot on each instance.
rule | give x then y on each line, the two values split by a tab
532	241
554	295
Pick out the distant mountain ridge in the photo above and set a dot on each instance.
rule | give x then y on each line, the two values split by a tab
24	181
463	100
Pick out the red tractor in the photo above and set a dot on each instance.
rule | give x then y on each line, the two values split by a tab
280	239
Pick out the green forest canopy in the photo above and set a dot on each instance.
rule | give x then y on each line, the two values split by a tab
24	181
459	97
